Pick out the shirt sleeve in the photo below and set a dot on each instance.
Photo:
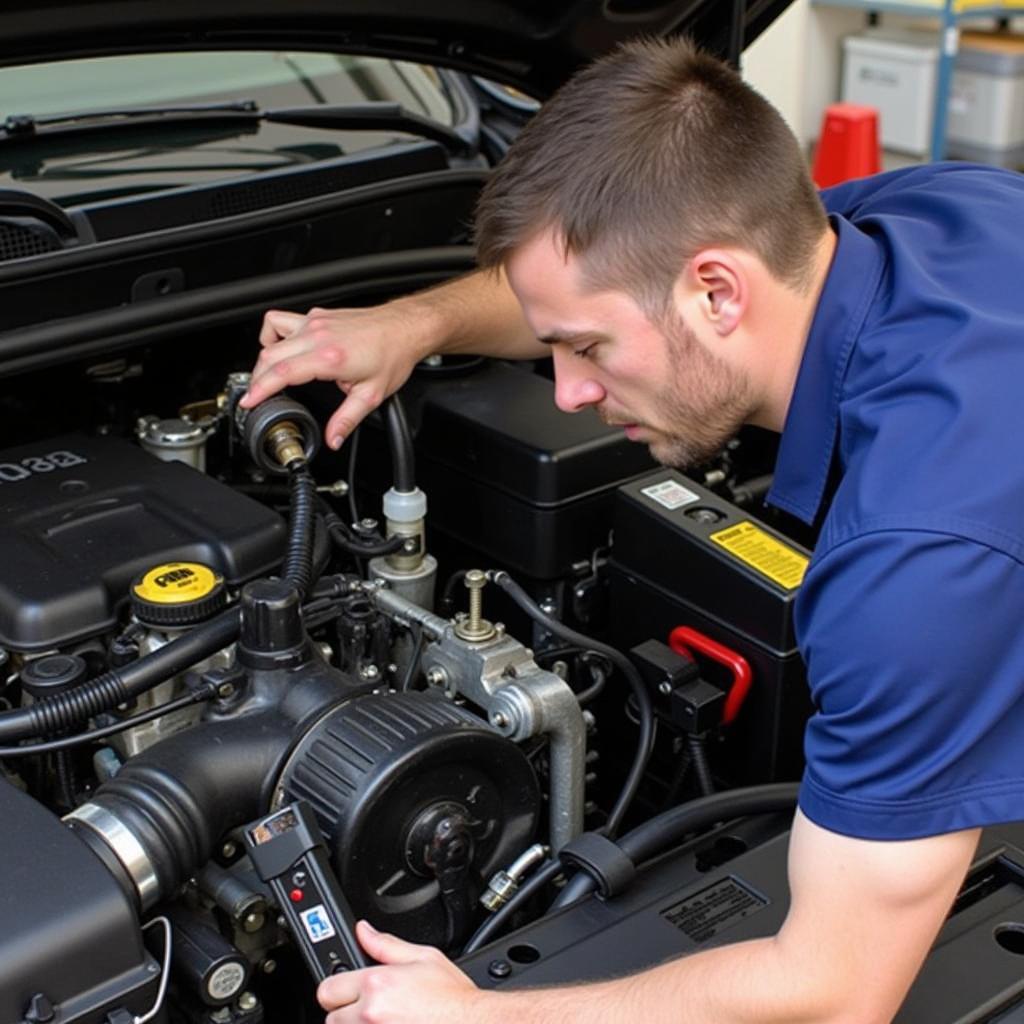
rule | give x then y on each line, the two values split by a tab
915	654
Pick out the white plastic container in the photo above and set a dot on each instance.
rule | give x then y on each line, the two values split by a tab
895	72
986	102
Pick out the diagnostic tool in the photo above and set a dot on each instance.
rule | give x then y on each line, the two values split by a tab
288	852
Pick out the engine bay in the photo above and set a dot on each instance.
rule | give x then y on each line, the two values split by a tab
204	619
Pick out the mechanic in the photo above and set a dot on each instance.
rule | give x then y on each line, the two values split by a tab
655	228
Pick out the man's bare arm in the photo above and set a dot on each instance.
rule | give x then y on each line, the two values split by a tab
370	352
862	919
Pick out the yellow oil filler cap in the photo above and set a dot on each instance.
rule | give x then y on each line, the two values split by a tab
177	594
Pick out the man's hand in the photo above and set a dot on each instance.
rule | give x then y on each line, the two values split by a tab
368	353
413	983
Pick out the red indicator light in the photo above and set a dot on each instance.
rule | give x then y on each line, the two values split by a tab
295	895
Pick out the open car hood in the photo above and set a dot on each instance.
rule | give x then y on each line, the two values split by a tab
532	44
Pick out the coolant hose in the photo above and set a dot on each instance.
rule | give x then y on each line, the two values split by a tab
403	464
645	744
297	567
666	829
76	706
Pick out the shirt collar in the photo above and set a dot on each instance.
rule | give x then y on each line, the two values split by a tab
809	435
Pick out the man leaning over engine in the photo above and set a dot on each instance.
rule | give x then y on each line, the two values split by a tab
654	231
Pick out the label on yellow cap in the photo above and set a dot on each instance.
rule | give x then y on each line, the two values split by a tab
763	552
177	583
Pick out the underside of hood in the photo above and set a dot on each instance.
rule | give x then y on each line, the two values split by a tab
532	44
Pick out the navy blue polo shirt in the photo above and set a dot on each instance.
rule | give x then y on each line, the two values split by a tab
911	615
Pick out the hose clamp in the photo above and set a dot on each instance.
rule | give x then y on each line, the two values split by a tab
123	844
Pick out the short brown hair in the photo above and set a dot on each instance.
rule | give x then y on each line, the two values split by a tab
646	156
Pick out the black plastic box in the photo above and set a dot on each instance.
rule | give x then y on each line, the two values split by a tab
667	571
67	928
81	516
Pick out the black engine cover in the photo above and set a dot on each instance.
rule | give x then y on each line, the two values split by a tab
67	929
81	516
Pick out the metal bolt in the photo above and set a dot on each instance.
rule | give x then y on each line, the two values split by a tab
268	966
367	525
411	546
253	921
336	490
247	1002
475	627
499	968
475	582
499	720
436	676
369	672
221	1016
226	690
665	687
229	849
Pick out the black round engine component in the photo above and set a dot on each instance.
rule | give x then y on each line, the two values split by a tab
52	674
271	623
384	773
257	427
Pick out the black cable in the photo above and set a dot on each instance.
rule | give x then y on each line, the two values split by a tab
495	924
414	661
403	461
699	759
53	715
353	455
447	605
343	537
297	567
662	832
599	677
645	742
205	693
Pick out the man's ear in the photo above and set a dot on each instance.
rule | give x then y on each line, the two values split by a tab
714	287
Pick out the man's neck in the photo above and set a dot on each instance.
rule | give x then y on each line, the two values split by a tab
792	314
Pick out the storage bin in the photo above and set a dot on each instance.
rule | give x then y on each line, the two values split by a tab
894	72
986	101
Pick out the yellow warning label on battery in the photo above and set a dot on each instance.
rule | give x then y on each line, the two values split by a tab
761	551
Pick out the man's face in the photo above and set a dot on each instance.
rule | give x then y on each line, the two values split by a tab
655	379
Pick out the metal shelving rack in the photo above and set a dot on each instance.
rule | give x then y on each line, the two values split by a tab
950	13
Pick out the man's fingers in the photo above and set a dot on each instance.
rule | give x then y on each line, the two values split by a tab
278	324
359	403
290	362
390	949
339	990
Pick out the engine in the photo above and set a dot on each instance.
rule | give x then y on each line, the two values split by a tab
198	628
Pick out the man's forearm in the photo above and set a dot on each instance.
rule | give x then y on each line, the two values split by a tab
476	314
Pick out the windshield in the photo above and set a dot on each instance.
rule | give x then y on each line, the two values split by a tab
272	79
76	167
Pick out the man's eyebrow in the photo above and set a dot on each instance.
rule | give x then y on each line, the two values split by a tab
556	337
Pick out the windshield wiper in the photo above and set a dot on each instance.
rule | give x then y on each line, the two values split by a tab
29	124
374	115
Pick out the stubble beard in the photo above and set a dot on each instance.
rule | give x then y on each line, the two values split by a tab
702	406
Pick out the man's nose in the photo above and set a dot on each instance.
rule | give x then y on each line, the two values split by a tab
575	384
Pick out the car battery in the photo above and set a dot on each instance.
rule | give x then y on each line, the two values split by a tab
682	556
